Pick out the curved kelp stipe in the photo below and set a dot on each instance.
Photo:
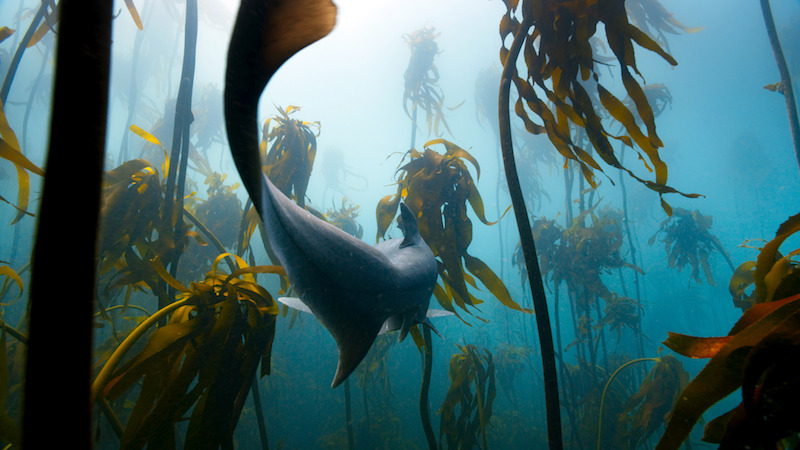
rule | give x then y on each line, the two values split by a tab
354	289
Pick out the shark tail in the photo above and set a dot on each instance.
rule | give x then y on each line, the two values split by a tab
354	341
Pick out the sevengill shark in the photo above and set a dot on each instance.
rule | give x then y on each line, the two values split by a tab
355	290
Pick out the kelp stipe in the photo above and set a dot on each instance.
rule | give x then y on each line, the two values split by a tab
82	74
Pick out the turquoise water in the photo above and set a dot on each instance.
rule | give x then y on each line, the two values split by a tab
724	135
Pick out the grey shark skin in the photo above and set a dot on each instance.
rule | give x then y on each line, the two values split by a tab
354	289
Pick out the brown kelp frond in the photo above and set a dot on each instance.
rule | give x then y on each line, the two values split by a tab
688	240
201	362
562	85
645	411
421	80
288	148
345	218
437	187
758	355
651	17
467	407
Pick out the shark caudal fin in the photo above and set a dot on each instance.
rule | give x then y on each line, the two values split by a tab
354	340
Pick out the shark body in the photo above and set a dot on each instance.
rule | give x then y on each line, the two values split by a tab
354	289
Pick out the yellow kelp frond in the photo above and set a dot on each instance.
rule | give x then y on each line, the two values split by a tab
206	349
467	407
5	32
288	149
437	188
134	14
11	151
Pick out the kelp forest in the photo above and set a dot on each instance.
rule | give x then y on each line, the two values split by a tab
608	189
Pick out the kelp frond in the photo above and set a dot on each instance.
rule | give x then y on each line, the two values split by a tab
562	88
437	188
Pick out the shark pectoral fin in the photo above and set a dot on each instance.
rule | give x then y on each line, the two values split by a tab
295	303
437	313
354	340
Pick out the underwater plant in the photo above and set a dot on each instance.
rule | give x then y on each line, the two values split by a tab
560	62
421	81
467	407
203	360
437	188
288	148
345	218
687	240
758	355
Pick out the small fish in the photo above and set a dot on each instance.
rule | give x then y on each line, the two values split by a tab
355	290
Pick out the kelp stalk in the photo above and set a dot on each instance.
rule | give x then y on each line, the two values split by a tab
81	78
423	392
348	415
605	390
786	78
262	428
528	244
180	134
12	68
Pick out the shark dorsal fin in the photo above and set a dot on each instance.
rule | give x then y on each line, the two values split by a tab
408	223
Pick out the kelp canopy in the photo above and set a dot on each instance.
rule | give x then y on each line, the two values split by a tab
562	91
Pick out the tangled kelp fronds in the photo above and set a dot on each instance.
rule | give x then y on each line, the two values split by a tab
561	62
688	240
288	148
437	187
758	355
201	362
467	407
645	411
345	218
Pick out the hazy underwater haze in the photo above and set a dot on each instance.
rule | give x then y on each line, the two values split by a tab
655	157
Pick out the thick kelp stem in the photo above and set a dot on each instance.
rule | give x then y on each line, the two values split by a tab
348	415
786	78
528	245
66	276
181	135
423	392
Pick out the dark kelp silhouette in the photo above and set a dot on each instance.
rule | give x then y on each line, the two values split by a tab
82	72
